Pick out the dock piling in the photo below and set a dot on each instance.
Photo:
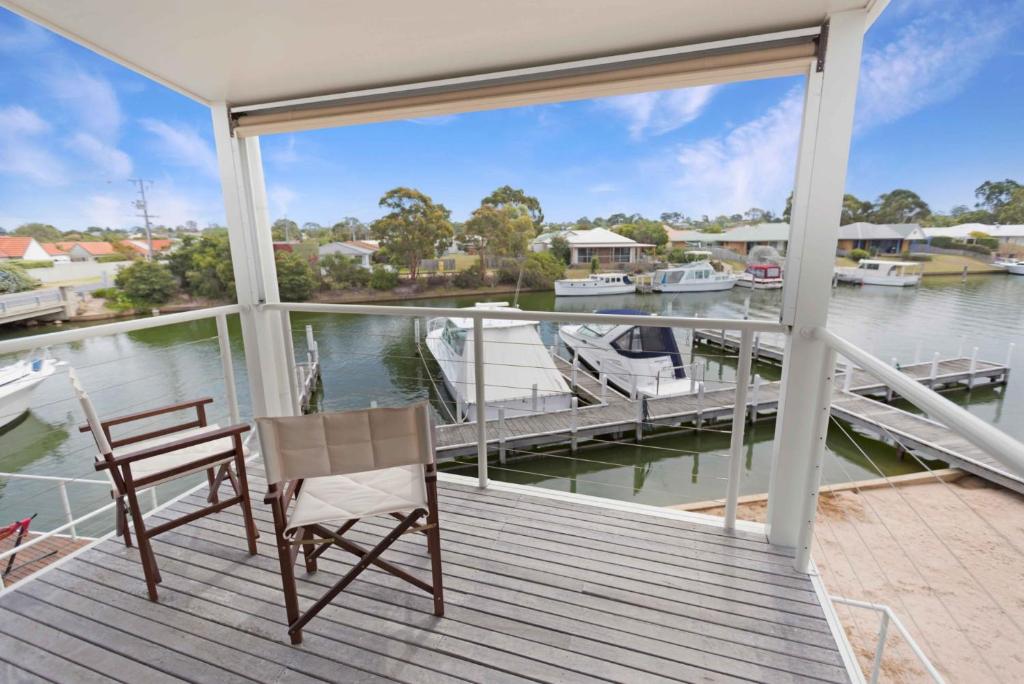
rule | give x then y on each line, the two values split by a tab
604	388
848	376
973	368
574	405
416	334
934	372
533	398
700	404
753	396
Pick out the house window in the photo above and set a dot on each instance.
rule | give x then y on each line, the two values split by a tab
585	254
621	254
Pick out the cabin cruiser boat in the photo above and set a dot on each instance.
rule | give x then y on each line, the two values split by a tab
881	272
17	383
596	284
698	276
1013	266
637	360
761	277
516	362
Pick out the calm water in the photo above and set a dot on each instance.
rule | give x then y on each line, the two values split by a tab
373	359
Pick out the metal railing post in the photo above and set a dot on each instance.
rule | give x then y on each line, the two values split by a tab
289	354
574	404
700	404
67	508
883	631
501	435
739	415
754	397
934	372
848	376
481	400
228	366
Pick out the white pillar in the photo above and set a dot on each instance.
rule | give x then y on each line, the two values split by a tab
252	257
817	200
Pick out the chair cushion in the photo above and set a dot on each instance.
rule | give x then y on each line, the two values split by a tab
173	459
337	498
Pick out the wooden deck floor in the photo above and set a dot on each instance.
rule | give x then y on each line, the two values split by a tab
538	589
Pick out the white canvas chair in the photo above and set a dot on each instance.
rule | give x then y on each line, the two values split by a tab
157	456
328	471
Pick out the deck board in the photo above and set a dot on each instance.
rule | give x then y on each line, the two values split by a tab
537	590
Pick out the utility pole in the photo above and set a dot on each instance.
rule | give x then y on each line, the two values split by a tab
142	206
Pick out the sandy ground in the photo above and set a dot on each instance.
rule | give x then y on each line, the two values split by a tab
948	558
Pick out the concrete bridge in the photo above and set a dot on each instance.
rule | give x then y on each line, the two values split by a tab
54	304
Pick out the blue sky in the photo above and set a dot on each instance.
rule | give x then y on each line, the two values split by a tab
939	110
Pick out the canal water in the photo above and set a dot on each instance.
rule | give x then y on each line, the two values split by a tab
368	359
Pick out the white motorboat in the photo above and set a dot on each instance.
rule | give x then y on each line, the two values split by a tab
596	284
520	375
637	360
882	272
1015	268
761	277
698	276
17	382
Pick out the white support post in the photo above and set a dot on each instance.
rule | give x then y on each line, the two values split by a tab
245	204
294	388
460	409
574	405
481	401
848	376
754	398
152	497
416	334
228	367
933	373
66	503
700	404
739	415
883	633
575	370
639	419
757	347
974	367
501	435
817	201
809	500
604	388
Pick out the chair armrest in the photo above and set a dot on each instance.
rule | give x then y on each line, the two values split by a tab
195	403
219	433
283	493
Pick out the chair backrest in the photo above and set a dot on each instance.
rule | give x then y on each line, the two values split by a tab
91	417
296	447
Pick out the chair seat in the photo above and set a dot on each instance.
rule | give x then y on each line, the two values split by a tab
338	498
174	459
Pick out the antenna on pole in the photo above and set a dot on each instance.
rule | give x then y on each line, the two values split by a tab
142	205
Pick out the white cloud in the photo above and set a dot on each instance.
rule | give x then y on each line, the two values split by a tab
22	154
284	154
601	188
931	59
750	166
183	146
106	158
280	198
107	211
660	112
91	99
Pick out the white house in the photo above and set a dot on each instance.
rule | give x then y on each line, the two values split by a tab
22	247
584	245
1010	237
360	249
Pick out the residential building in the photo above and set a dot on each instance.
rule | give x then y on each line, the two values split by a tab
87	251
362	250
141	246
22	247
608	247
1010	237
882	238
58	255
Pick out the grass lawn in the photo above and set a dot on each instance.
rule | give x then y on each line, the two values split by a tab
942	264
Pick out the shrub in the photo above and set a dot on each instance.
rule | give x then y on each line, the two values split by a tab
676	256
560	248
541	270
32	263
436	280
595	265
113	298
107	258
344	271
858	254
469	278
295	278
383	278
146	284
15	279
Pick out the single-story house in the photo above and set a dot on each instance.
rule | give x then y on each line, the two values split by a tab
360	249
22	247
87	251
141	246
687	239
1010	236
584	245
883	238
58	255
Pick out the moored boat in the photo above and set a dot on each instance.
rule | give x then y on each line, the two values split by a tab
699	276
761	277
637	360
17	382
882	272
520	375
595	284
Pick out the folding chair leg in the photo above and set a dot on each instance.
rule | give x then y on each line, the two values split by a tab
251	533
214	483
434	546
284	557
145	547
121	521
308	550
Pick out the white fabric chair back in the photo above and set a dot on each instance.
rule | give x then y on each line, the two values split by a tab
91	417
340	443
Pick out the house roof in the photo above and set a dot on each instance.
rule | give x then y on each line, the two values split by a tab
54	249
360	247
779	232
881	231
241	51
964	230
599	237
142	246
760	232
677	235
93	248
14	246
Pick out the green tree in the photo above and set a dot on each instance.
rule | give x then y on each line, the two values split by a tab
645	231
284	230
203	265
383	278
993	195
1012	211
595	265
415	228
900	206
43	232
295	278
349	228
15	279
854	210
561	250
787	213
146	284
344	271
507	195
499	231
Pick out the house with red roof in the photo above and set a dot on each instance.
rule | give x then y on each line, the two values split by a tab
22	247
88	251
57	253
141	247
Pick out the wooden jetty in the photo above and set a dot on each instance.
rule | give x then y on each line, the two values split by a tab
307	373
608	412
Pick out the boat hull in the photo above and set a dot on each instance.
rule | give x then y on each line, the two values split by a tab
1016	269
706	286
588	290
759	283
892	281
15	397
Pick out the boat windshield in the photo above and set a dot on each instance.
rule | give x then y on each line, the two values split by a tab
595	329
454	337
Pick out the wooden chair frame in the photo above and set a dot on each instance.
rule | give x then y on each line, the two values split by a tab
280	495
127	486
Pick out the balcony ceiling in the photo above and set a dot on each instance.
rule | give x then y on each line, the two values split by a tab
255	51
